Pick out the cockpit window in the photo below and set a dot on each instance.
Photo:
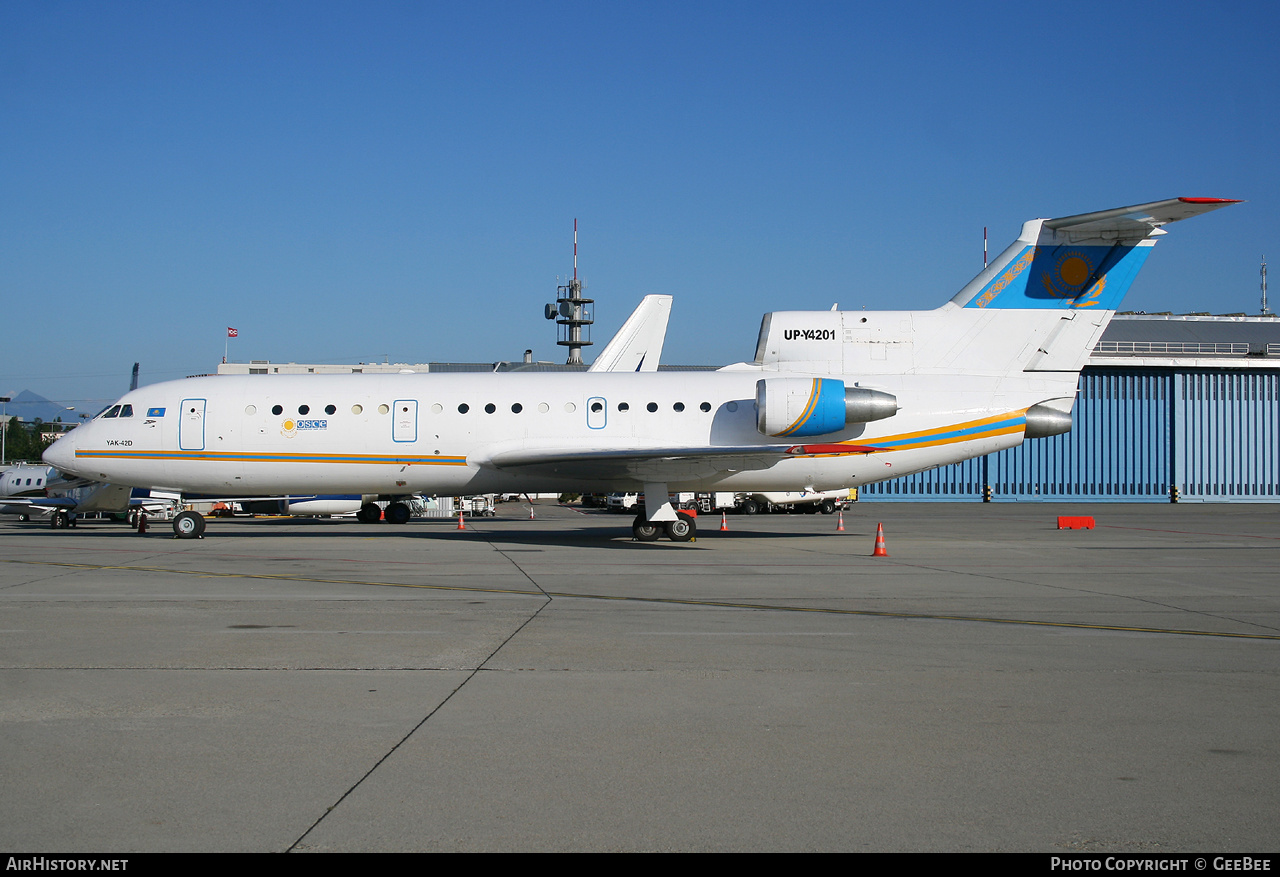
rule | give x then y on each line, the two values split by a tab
126	410
113	411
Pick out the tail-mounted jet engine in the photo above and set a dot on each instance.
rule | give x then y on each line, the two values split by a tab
816	406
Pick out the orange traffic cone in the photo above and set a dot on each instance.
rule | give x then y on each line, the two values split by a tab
531	511
724	523
879	552
461	525
840	522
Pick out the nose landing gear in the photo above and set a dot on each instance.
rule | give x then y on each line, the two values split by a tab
188	525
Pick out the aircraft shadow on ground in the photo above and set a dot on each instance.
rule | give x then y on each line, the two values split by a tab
569	536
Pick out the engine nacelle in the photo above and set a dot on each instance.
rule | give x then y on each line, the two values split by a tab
816	406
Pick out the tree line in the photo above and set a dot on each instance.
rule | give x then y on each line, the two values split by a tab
27	441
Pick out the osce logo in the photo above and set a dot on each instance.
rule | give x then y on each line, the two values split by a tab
290	428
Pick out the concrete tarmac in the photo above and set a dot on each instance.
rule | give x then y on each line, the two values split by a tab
317	685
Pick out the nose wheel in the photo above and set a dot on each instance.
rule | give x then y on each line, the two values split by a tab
188	525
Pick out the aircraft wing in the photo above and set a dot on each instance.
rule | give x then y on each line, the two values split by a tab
655	463
39	502
7	508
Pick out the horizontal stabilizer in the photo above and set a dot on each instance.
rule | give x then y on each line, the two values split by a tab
1138	220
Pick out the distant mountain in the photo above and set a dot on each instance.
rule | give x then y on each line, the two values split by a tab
27	406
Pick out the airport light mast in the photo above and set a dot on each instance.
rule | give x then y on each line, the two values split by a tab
572	312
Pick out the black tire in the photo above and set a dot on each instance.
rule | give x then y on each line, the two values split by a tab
751	507
188	525
369	513
827	506
683	529
398	513
644	531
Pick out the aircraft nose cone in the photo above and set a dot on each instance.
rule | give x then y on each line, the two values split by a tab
61	454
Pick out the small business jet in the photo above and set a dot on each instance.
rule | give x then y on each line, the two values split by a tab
28	490
832	399
21	485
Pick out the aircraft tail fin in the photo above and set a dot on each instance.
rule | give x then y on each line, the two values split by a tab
638	345
1041	306
1078	262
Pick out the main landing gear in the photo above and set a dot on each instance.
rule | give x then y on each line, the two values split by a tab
659	518
396	513
683	529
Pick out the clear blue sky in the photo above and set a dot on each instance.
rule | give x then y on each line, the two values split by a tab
344	181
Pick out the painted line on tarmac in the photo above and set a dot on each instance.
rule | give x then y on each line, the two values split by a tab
674	601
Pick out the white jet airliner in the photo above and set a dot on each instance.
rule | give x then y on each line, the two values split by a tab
833	399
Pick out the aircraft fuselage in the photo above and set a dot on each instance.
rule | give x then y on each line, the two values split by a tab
446	434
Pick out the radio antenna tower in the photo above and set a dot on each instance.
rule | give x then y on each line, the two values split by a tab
572	312
1266	311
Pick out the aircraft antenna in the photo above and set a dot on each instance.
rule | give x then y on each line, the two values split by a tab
1266	311
572	312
